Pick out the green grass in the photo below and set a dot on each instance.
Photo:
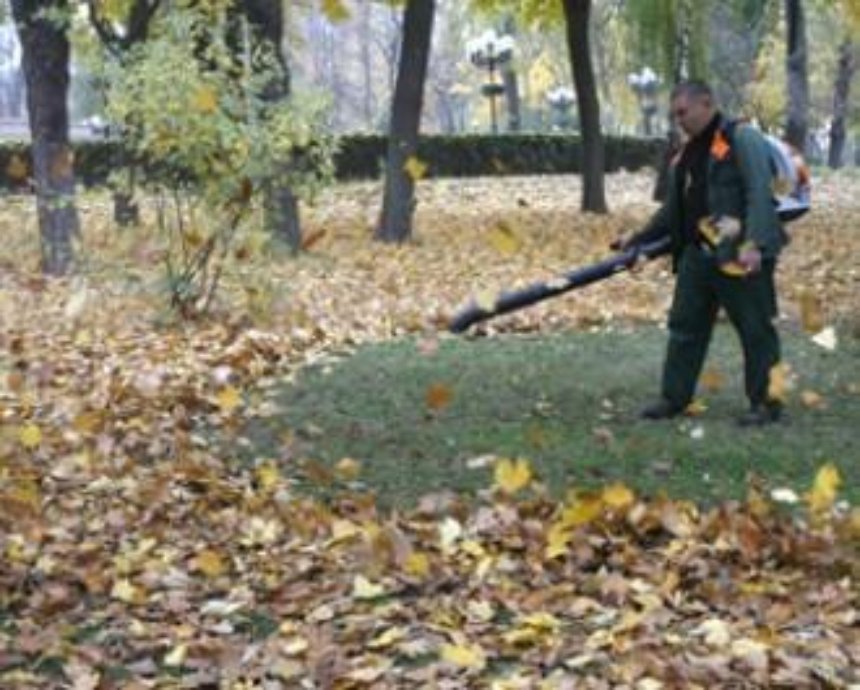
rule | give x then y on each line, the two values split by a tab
569	404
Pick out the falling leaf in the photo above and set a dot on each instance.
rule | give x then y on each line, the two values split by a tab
512	475
826	339
17	169
504	240
228	399
811	313
778	382
30	436
824	488
335	11
415	168
784	495
485	300
438	396
712	380
464	656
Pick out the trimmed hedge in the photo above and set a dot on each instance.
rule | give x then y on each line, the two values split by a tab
362	156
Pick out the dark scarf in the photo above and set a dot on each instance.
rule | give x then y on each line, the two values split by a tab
693	178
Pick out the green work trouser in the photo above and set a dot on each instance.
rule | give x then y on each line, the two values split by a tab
750	303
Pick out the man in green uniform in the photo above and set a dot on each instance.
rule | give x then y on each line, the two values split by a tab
725	240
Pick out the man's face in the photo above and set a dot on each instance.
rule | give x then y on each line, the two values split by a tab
692	113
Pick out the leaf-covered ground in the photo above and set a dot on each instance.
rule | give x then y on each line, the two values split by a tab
138	553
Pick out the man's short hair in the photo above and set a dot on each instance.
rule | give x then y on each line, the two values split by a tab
692	88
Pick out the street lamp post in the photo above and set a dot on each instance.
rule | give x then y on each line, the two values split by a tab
560	99
644	85
489	51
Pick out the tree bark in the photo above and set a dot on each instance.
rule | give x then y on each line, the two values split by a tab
398	202
797	120
577	15
45	58
841	90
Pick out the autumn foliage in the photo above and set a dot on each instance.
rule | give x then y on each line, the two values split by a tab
138	551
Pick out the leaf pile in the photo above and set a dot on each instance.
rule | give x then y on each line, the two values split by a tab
138	552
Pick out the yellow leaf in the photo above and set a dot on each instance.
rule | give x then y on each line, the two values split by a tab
618	497
335	10
415	168
812	400
228	399
205	100
17	169
583	511
712	380
556	541
177	656
417	564
512	475
363	589
348	469
387	638
696	408
125	591
503	239
485	300
811	313
464	656
268	476
30	436
210	563
438	396
824	488
778	384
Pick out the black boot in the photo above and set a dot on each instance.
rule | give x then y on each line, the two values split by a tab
761	414
662	409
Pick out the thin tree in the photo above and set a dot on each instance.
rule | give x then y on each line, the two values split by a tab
395	224
577	14
845	67
45	54
119	38
797	115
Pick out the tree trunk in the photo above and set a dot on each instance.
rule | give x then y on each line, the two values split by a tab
398	202
797	121
841	90
45	59
577	14
509	81
266	19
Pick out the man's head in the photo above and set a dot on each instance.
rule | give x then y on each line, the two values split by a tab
692	106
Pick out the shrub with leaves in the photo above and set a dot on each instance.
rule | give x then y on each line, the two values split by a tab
194	112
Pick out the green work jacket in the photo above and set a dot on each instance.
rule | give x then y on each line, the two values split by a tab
739	185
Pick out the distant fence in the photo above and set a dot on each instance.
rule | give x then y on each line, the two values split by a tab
363	157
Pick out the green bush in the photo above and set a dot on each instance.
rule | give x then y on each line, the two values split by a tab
362	156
